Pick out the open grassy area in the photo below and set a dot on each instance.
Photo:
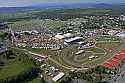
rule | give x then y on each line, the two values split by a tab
107	39
95	50
109	46
15	66
36	80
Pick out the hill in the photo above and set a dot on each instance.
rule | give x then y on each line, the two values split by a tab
55	6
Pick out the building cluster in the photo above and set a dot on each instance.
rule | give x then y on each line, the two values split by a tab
120	33
70	39
37	40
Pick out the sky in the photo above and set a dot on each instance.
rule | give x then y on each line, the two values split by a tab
19	3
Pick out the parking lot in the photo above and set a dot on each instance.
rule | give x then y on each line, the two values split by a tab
51	72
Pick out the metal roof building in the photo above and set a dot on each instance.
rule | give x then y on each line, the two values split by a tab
59	36
59	76
73	39
122	34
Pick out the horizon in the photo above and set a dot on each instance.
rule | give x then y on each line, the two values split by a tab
24	3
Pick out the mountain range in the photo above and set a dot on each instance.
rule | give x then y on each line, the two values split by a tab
64	6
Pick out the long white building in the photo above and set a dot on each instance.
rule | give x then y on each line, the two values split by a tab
58	77
72	39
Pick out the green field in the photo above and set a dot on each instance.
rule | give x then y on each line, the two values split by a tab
107	39
36	80
16	66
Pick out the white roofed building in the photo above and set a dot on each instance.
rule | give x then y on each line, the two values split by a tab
73	39
59	36
112	32
58	77
80	52
68	35
122	35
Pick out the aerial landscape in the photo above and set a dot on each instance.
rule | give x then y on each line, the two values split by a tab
62	41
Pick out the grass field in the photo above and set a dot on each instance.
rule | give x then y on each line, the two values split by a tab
36	80
14	69
16	66
108	46
107	39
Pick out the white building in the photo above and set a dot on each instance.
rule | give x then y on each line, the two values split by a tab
73	39
112	32
58	77
122	35
59	36
80	52
68	35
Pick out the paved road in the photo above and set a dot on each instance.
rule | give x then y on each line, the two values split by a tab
120	77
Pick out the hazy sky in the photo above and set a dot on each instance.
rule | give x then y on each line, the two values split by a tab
6	3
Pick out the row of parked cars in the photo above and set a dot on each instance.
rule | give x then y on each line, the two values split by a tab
50	70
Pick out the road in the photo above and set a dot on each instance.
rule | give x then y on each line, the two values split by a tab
119	77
